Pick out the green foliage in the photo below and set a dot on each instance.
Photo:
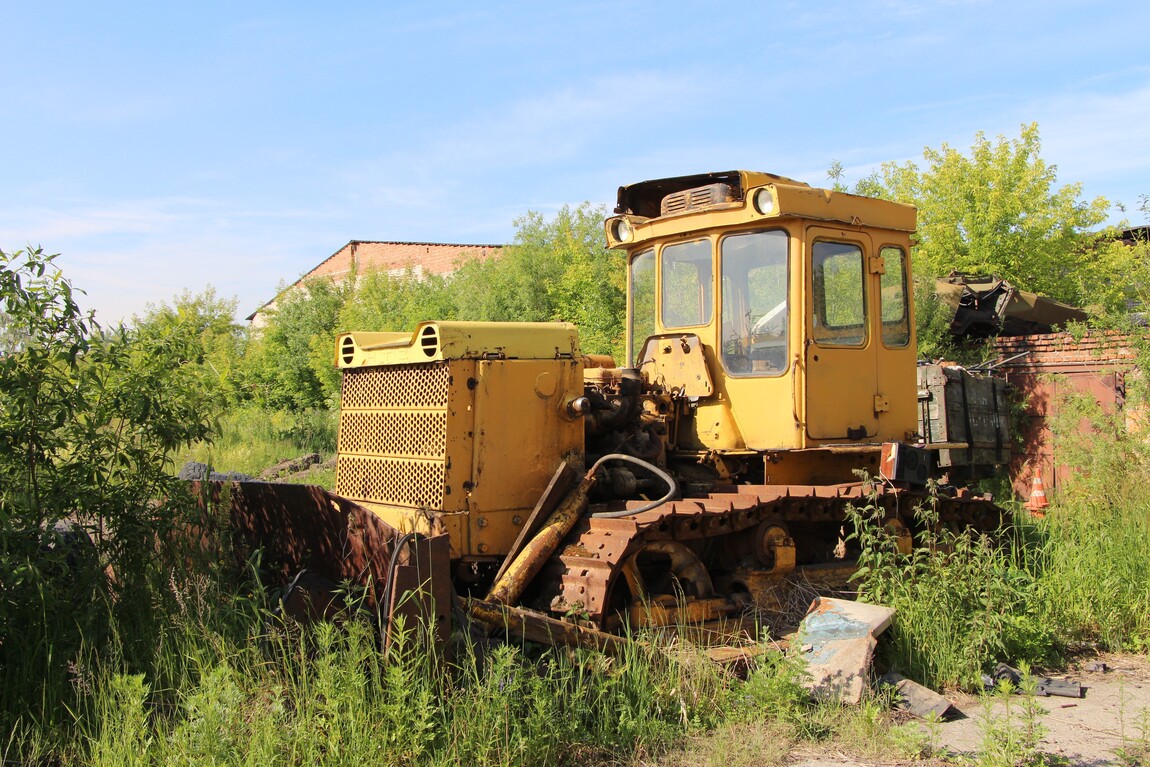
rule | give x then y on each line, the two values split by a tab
932	322
1096	554
89	423
962	600
252	439
290	362
236	686
556	270
216	341
998	211
1120	282
397	303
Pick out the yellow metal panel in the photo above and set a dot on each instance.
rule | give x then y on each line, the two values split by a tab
841	381
826	205
434	341
522	432
405	435
794	200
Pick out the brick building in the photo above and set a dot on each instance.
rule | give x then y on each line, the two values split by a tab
396	258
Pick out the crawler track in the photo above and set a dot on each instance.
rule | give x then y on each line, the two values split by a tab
721	550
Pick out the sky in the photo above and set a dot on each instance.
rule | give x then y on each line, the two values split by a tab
169	147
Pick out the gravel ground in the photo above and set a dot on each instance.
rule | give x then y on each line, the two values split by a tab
1112	717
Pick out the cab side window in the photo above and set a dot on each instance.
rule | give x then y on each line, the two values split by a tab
895	305
838	276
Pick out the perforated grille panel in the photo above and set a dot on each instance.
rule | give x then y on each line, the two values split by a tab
393	435
420	434
418	484
398	386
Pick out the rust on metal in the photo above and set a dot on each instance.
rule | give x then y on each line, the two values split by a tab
539	549
594	575
537	627
305	528
421	594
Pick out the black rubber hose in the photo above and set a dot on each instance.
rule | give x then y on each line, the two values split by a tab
392	562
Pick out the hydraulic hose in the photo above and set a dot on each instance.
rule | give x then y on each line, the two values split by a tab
393	561
673	488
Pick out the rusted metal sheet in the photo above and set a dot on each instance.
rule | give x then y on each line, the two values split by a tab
1043	370
987	306
421	593
301	528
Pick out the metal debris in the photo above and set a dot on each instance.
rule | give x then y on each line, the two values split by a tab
921	701
838	641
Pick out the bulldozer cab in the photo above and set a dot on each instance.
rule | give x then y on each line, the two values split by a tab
798	300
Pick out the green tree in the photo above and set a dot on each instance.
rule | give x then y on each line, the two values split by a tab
89	424
554	270
217	340
397	302
290	362
997	210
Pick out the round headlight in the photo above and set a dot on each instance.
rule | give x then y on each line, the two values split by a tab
621	230
765	201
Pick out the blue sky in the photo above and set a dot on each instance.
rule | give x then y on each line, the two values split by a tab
161	146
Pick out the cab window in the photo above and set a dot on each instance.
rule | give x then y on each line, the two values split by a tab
754	316
642	307
839	296
687	284
895	314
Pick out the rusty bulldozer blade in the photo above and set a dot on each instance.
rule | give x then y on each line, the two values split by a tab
302	528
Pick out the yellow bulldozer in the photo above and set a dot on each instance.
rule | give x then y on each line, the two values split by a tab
771	361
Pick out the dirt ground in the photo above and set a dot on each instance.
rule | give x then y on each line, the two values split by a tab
1113	715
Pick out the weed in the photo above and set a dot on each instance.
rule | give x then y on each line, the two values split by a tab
1135	748
252	439
962	599
1011	726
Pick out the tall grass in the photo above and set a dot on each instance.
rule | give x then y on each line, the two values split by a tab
1026	594
961	600
225	681
251	439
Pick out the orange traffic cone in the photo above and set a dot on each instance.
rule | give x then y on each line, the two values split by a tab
1037	503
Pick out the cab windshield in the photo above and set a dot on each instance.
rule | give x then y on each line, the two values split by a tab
754	320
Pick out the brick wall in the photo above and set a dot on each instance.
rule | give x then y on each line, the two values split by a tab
396	257
1042	369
